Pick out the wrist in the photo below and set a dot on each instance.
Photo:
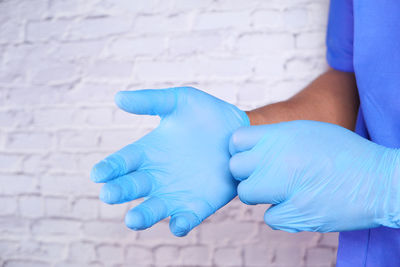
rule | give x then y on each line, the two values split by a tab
255	118
242	116
274	113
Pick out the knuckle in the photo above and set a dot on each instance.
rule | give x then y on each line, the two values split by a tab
269	219
244	194
235	141
235	137
234	166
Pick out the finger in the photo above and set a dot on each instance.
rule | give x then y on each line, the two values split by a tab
191	215
183	222
243	164
128	187
120	163
268	182
146	214
262	187
284	217
245	138
147	102
299	214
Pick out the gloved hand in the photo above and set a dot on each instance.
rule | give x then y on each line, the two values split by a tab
181	167
318	176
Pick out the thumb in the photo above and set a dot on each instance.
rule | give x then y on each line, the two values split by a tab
147	102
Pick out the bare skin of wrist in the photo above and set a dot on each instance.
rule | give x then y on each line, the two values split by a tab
332	97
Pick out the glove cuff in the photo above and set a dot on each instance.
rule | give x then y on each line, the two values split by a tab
245	118
393	193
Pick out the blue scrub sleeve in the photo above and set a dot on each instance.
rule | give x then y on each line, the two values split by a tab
340	35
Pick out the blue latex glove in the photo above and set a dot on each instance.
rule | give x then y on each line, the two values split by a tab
181	167
318	176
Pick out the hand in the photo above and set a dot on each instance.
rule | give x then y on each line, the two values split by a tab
318	176
181	167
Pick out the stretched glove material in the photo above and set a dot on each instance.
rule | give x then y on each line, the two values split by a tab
181	167
318	176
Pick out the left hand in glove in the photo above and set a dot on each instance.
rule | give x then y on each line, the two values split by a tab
319	177
181	167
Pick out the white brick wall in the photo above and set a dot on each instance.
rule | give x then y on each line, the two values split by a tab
61	61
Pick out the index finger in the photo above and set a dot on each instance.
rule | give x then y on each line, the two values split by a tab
119	163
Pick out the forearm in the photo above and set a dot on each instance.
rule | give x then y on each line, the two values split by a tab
332	98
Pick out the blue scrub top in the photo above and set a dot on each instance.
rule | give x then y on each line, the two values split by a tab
364	37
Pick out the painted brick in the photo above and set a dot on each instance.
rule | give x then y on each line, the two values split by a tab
8	205
329	240
221	20
228	257
311	40
94	92
258	255
31	263
296	18
31	206
160	234
125	48
221	233
140	7
14	226
8	248
265	43
109	69
56	206
85	209
161	25
82	252
38	31
274	237
110	254
15	118
11	31
190	44
67	185
40	250
108	230
54	117
99	27
268	19
195	255
78	140
11	184
139	255
57	227
29	141
289	256
75	51
10	162
112	212
67	8
167	255
54	73
164	70
319	257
